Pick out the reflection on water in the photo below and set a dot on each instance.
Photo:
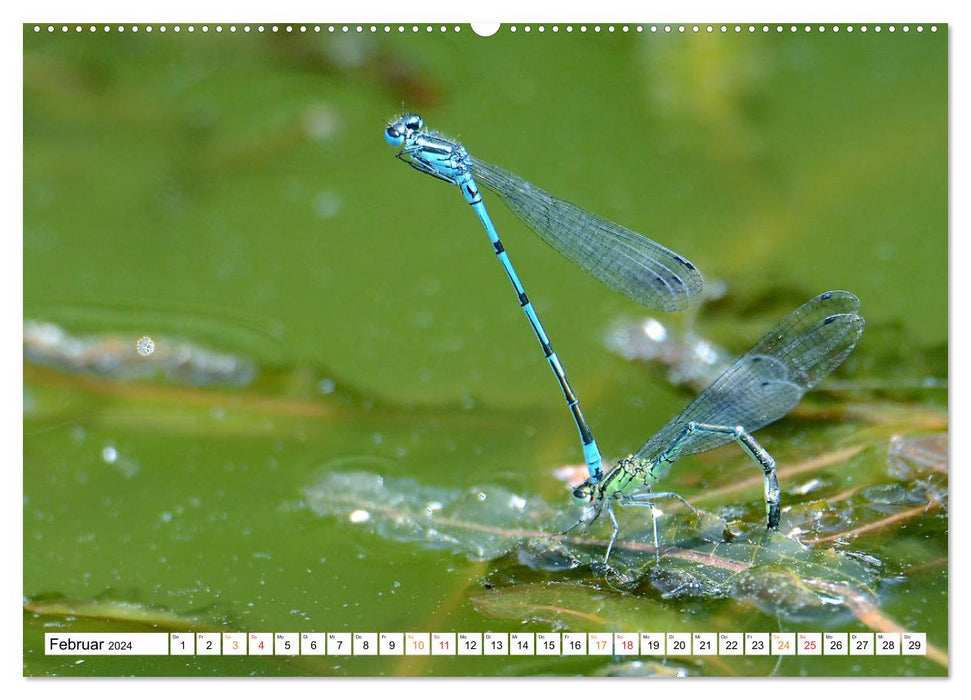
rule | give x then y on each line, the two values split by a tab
482	523
701	557
691	360
125	357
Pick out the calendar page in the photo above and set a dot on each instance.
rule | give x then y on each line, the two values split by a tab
517	349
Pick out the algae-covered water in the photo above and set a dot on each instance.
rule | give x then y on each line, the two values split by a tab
347	426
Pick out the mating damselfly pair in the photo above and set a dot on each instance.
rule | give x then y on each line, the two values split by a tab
757	389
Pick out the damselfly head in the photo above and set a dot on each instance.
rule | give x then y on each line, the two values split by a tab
585	492
402	128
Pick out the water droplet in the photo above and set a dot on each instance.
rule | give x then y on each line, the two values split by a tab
145	346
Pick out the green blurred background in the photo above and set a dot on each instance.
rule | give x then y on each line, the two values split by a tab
234	190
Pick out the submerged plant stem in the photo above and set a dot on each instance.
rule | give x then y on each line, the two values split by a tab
876	525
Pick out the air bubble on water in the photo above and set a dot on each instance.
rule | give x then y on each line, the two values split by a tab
359	516
706	352
109	454
326	386
654	330
517	502
145	346
808	487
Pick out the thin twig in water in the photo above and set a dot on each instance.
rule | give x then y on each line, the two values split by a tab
809	465
873	617
876	525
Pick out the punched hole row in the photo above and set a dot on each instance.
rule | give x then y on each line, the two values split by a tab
485	30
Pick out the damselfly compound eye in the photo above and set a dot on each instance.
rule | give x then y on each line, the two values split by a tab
413	122
393	135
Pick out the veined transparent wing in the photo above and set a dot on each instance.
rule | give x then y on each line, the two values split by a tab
621	259
770	379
